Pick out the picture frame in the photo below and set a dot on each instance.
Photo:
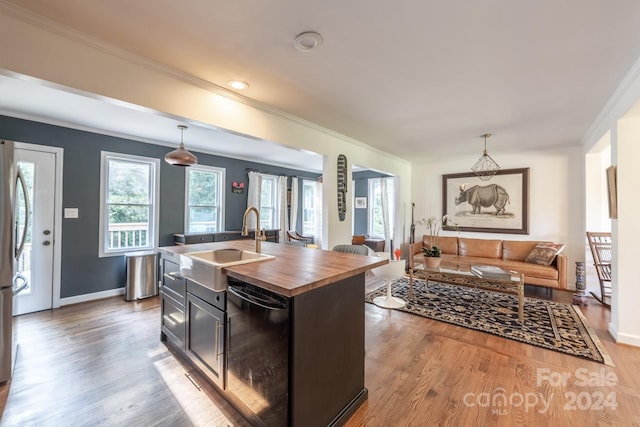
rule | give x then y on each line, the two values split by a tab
612	192
500	205
237	187
360	202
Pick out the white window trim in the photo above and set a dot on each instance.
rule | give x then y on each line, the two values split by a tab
353	206
222	172
370	195
371	204
155	212
306	183
274	201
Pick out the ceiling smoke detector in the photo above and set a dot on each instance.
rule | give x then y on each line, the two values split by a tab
307	41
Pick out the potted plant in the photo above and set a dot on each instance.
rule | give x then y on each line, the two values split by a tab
432	254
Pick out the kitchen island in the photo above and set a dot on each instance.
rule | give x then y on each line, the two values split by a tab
300	363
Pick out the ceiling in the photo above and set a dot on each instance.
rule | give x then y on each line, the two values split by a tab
417	79
33	100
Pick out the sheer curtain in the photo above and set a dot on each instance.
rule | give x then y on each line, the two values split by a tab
317	207
253	196
384	196
293	220
282	219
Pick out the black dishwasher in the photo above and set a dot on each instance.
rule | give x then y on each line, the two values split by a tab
258	350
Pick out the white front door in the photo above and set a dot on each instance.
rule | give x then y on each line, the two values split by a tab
37	259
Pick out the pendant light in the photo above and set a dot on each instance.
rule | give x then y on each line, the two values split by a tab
485	168
180	156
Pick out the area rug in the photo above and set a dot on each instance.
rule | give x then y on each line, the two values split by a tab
547	324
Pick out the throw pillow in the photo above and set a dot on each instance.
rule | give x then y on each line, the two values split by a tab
544	253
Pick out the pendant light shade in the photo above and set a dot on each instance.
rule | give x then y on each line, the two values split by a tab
180	156
485	168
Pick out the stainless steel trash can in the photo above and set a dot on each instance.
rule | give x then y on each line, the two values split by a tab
142	275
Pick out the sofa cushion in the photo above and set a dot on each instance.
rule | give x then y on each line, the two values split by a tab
532	270
480	248
544	253
448	245
517	250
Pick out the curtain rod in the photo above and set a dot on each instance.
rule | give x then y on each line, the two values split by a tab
280	174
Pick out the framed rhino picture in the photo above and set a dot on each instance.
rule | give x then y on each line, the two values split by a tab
498	205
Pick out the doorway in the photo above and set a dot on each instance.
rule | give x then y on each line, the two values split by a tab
40	260
373	215
596	202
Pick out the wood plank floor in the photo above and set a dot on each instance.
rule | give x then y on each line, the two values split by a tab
101	363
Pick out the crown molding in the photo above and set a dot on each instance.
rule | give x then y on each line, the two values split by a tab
618	104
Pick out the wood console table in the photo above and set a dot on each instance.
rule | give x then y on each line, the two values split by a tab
273	235
376	244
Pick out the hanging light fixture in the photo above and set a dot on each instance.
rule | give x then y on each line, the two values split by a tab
180	156
485	168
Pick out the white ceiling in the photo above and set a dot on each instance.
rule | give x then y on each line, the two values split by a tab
418	79
33	100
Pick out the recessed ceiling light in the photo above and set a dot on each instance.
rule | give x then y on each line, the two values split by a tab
238	84
307	41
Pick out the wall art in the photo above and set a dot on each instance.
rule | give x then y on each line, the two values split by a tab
500	205
237	187
342	186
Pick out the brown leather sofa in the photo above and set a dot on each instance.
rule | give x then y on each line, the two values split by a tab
506	254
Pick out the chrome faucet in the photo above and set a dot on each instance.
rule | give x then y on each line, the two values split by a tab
245	228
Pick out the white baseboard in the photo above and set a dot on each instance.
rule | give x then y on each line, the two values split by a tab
91	297
628	339
622	338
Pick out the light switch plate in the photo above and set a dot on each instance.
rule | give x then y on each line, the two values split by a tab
71	212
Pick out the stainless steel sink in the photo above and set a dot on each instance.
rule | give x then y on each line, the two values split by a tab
205	267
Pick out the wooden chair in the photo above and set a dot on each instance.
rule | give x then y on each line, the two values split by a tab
294	236
600	244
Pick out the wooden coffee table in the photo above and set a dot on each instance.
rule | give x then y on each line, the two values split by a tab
460	274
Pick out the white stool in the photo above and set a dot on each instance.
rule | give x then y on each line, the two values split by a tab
389	272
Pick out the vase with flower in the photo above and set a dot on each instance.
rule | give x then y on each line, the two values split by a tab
432	253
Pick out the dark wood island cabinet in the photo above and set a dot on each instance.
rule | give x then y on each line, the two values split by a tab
303	362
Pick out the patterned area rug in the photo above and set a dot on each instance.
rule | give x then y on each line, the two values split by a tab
547	324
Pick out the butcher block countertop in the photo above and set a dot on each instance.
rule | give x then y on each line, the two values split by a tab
294	271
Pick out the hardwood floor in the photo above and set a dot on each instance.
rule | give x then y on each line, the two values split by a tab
101	363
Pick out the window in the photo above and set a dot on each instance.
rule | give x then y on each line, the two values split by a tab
268	202
204	199
376	224
128	203
308	207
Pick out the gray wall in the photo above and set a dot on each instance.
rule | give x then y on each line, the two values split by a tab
82	271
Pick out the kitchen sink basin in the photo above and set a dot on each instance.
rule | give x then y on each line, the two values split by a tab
227	257
205	267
